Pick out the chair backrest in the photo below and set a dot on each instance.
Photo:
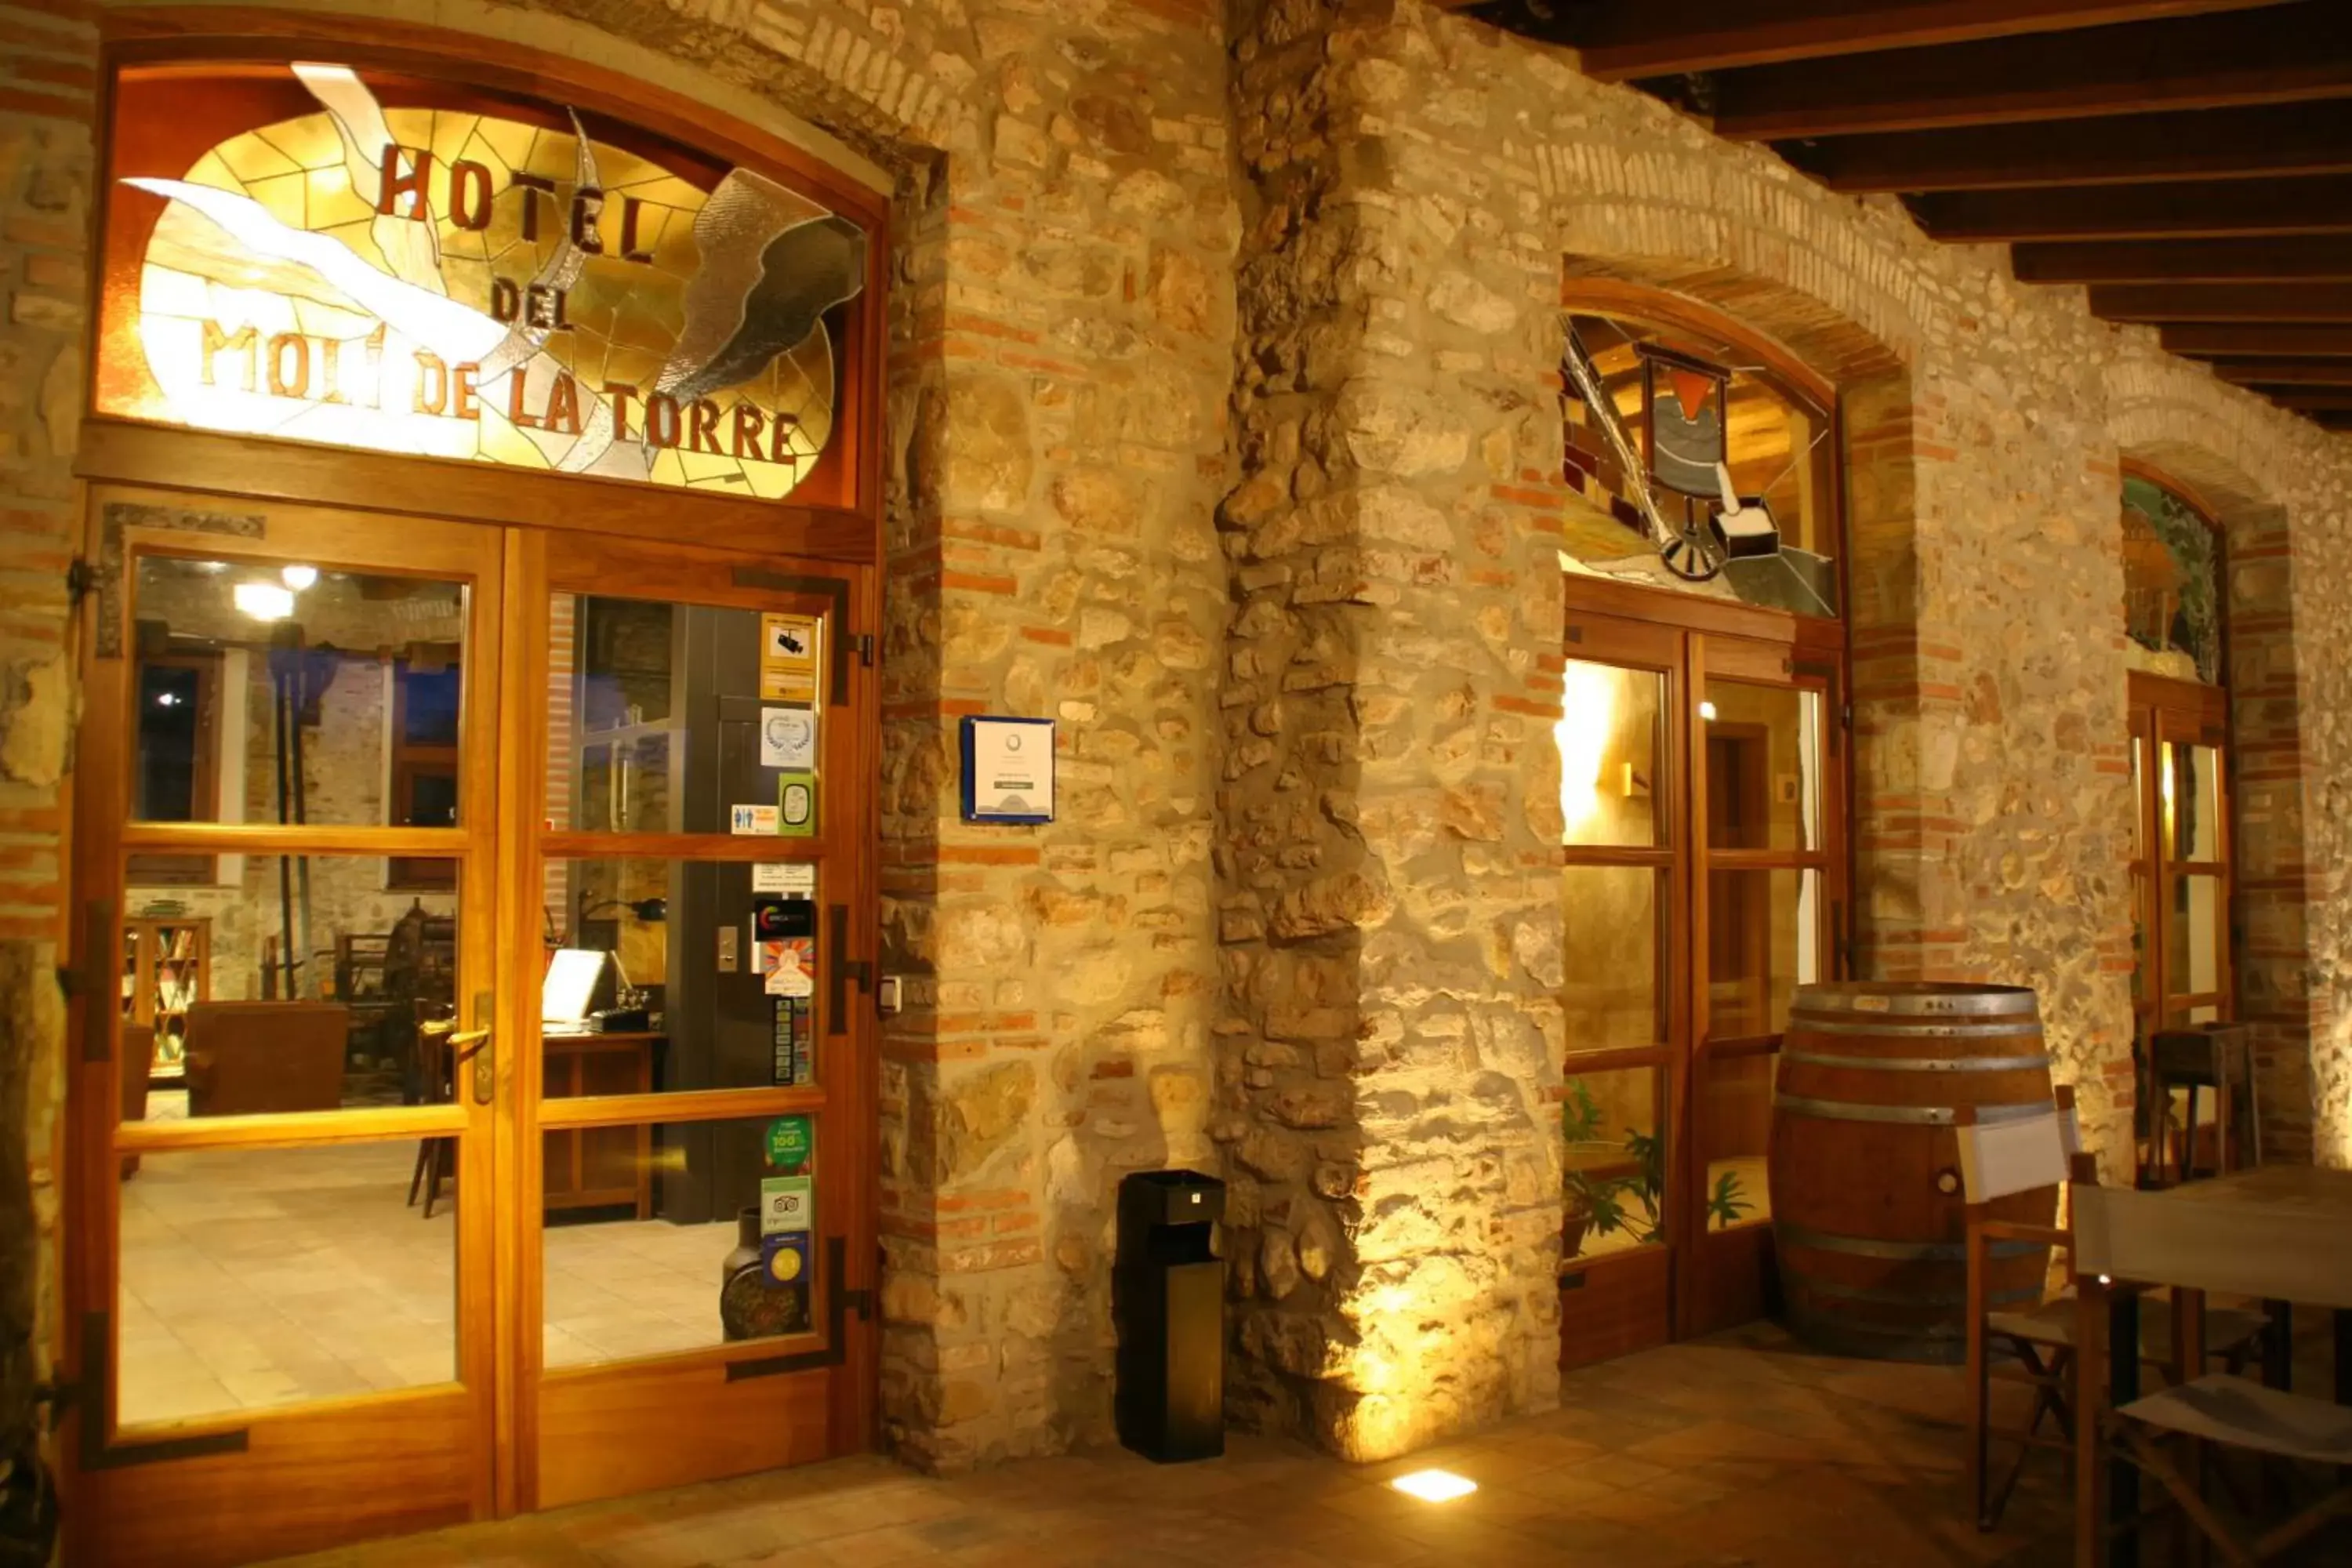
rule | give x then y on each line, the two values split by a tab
2000	1158
2162	1238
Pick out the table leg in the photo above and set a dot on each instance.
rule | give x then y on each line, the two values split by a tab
2090	1398
2123	1384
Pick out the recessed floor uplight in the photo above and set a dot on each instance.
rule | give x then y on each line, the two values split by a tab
1434	1486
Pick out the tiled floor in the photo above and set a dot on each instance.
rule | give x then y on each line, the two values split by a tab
255	1278
1737	1450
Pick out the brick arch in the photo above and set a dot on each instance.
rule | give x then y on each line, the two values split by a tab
2184	428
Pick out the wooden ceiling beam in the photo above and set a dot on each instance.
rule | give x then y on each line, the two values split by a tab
2320	203
2279	54
1622	40
2285	372
2214	342
2337	401
2165	302
2205	143
2292	259
2333	421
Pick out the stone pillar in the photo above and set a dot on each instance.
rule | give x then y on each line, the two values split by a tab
1387	875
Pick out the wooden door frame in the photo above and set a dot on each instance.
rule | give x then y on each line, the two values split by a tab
1607	619
397	493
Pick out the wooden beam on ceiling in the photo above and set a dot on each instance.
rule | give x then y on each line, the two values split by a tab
2320	203
2279	302
2285	372
2203	144
2208	342
2293	258
2333	421
2281	54
2336	401
1622	40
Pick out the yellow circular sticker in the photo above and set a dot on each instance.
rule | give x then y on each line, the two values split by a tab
786	1266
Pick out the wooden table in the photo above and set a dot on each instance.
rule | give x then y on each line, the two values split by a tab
590	1167
2305	1216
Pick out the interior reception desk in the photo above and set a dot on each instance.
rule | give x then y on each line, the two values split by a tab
596	1167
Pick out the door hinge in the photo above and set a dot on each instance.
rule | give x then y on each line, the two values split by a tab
865	649
81	579
860	1302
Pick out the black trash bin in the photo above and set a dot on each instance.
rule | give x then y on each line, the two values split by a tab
1168	1300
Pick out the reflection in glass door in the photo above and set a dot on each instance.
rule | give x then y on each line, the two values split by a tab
1702	883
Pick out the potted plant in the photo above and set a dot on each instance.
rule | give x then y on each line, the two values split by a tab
1626	1194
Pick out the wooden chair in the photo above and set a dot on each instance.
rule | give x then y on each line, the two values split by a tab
1997	1160
2214	1059
2139	1235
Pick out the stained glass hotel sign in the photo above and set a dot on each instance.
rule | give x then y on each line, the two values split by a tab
493	282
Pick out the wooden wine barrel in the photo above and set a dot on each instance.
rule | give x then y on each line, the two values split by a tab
1868	1219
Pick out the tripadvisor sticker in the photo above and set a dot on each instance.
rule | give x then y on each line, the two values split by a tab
790	1141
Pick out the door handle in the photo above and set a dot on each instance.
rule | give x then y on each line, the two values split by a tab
467	1045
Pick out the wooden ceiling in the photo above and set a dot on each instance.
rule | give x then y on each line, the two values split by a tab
2188	161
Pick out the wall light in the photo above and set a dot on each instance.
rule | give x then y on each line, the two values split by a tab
1588	716
263	601
1434	1486
1706	711
299	577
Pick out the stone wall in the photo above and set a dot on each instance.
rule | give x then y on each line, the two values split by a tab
1388	872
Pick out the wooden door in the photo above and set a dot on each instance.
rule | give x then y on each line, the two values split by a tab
687	783
1766	788
1704	798
1625	907
2182	858
275	1351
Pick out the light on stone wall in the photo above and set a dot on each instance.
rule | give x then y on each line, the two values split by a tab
1588	713
1434	1486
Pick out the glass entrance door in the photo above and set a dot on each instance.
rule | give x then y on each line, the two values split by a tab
287	850
1702	804
694	1263
483	1119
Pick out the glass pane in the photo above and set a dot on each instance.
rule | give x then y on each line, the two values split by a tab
1763	775
1609	752
1614	1157
2192	802
2197	928
1615	989
1763	940
683	718
679	974
318	978
1735	1127
287	692
258	1278
677	1235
